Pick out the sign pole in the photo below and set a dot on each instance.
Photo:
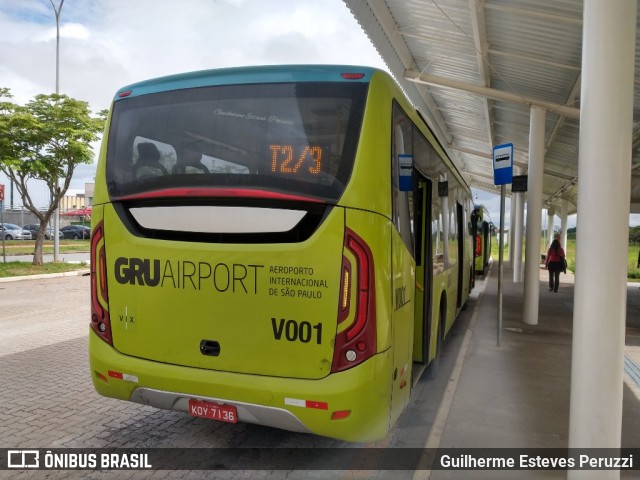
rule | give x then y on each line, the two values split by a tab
4	253
500	255
502	174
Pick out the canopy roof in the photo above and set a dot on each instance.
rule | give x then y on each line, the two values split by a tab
475	67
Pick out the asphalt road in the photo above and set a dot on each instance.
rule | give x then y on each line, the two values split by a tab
48	400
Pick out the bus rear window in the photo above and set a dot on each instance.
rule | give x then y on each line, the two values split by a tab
292	138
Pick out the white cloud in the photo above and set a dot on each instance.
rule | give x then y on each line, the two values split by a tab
74	30
67	31
106	44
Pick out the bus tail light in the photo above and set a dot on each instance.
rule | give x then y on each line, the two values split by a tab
345	290
100	321
357	342
340	414
352	75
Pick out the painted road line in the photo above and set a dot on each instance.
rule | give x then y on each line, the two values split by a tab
632	369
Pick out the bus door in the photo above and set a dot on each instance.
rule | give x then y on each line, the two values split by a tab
474	241
424	258
461	276
486	245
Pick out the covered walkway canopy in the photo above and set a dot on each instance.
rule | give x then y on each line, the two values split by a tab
559	80
476	66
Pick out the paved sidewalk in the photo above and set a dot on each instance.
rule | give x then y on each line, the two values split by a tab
517	395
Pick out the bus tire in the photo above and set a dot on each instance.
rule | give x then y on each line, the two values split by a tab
442	322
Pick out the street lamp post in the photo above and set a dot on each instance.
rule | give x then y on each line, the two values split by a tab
56	213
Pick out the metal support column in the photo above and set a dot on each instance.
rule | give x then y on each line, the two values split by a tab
599	307
517	244
534	217
549	237
564	214
512	223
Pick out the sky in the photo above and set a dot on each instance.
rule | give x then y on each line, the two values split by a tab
107	44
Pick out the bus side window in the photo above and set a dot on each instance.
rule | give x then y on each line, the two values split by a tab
402	202
453	227
437	233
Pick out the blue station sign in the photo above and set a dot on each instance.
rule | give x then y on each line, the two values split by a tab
503	164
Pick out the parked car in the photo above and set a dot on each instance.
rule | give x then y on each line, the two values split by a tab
48	234
14	232
76	232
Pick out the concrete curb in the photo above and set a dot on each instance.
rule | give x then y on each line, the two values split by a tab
73	273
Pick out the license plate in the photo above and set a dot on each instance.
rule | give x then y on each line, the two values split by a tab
214	411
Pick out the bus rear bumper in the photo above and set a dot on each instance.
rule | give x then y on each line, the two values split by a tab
247	412
352	405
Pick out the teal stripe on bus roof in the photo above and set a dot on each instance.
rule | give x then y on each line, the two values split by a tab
247	75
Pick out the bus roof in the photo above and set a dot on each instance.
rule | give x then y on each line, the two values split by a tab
245	75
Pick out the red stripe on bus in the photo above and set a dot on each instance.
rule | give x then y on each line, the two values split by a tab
216	192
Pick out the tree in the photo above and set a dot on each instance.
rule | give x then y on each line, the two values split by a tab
45	139
634	234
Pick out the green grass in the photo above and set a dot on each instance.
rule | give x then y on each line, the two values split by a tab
633	273
26	247
19	247
16	269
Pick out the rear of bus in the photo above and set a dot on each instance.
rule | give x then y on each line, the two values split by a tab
228	280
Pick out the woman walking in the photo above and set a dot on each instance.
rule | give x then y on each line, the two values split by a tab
555	263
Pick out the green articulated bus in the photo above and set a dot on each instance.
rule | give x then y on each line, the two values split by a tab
283	245
482	227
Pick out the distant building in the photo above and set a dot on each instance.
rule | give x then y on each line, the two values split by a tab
88	193
15	212
72	202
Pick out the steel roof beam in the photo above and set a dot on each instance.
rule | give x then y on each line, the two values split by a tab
570	101
478	24
529	58
524	12
391	30
565	110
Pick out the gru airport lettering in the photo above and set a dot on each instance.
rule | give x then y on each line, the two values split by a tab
188	275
